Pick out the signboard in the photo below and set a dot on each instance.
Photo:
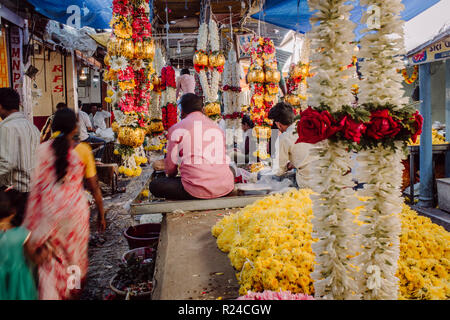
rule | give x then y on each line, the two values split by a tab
4	70
435	52
16	59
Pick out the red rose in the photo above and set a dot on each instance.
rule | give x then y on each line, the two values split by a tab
382	125
315	126
353	130
418	122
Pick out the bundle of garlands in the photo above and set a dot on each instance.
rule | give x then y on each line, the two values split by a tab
379	130
298	73
129	72
263	78
214	62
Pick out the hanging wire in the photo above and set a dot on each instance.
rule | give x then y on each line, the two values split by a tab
167	33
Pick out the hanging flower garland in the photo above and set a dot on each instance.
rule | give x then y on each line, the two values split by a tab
298	74
168	86
155	130
214	62
232	97
263	78
128	73
332	31
414	76
390	127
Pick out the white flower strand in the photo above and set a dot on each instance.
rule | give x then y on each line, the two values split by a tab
334	276
232	99
381	168
330	42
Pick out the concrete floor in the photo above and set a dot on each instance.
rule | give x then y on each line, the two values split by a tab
189	265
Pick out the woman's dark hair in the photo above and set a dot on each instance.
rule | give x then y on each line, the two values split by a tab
61	105
191	103
185	71
65	121
282	113
246	120
6	206
9	99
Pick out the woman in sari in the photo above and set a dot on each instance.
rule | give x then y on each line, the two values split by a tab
58	212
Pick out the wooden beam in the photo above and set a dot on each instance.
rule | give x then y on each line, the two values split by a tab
194	205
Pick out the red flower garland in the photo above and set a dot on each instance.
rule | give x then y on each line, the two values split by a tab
233	115
169	115
168	78
230	88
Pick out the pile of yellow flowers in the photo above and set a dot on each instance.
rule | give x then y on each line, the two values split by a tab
435	136
158	147
140	160
130	172
269	243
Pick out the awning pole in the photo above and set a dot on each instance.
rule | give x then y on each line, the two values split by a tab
447	115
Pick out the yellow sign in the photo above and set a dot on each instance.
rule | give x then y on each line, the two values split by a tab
437	51
4	72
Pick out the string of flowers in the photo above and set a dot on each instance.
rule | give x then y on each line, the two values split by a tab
128	73
263	78
214	62
391	125
168	87
414	75
331	34
156	129
232	97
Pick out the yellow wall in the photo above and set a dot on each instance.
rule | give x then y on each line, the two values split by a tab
4	73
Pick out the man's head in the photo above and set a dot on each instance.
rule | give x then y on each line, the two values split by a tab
61	105
9	102
282	115
247	123
184	71
190	103
94	109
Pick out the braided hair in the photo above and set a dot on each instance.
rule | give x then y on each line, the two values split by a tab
65	121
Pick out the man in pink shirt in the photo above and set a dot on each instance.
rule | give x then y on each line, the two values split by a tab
185	82
196	148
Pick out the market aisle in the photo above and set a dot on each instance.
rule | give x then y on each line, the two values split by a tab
104	259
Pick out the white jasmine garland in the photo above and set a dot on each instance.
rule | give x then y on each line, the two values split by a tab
159	61
381	168
232	99
119	63
334	277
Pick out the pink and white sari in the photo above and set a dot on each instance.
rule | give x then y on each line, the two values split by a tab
58	215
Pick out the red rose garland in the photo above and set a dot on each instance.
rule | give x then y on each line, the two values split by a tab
169	111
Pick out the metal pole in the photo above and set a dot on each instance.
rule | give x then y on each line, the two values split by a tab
426	147
447	115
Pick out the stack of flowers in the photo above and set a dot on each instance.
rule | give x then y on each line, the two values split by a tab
232	97
296	82
263	77
214	62
169	98
269	244
272	295
129	72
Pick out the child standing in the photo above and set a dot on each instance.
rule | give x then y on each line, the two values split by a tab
16	279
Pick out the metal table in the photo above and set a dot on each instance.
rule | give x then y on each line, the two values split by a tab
415	150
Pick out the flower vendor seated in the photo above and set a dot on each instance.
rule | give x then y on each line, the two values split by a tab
196	148
185	82
242	149
289	154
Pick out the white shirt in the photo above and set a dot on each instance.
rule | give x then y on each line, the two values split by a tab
85	123
99	119
19	139
295	153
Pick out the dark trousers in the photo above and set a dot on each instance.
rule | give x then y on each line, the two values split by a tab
19	201
169	188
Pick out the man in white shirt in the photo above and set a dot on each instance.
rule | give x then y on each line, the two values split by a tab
85	128
290	155
19	139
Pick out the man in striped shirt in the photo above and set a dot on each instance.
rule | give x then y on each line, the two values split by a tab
19	139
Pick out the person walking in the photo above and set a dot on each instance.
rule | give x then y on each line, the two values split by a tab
58	211
185	83
19	139
16	277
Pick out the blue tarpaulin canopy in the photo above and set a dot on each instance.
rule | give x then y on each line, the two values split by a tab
77	13
295	14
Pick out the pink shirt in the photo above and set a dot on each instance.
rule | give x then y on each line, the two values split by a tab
185	83
196	145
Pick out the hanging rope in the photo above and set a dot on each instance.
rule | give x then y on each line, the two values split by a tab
167	34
